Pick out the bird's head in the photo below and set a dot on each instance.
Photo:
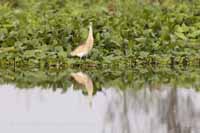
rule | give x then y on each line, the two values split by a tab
90	24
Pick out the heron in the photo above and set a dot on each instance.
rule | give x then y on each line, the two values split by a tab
84	49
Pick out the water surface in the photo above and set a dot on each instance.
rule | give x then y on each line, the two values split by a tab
100	101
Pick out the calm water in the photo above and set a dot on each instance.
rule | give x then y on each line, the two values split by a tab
100	101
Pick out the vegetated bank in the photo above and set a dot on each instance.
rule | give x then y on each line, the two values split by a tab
126	32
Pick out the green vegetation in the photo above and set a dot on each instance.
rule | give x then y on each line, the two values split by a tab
137	78
43	32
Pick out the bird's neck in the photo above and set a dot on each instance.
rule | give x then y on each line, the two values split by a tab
90	39
90	32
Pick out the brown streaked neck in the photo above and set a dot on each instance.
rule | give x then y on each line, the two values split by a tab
90	39
90	31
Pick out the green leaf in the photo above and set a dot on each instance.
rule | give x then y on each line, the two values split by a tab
194	34
180	35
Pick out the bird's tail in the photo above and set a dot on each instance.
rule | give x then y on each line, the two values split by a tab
72	53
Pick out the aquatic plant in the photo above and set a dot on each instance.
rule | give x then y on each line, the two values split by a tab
125	32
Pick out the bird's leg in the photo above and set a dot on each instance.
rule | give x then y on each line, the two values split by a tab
80	61
86	57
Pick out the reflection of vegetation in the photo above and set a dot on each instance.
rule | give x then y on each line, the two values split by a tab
35	78
44	31
102	78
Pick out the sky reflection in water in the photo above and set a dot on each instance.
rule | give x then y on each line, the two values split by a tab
151	109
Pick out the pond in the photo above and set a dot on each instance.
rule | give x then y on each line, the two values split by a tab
136	100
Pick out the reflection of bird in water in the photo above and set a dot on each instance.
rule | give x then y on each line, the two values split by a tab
85	80
27	100
154	87
85	48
